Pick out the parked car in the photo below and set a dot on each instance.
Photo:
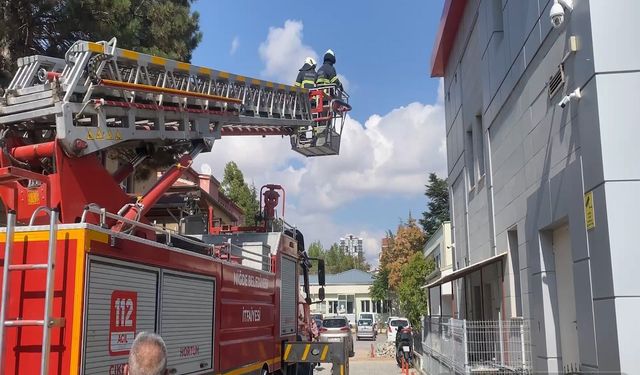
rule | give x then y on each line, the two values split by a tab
392	327
335	329
372	317
366	329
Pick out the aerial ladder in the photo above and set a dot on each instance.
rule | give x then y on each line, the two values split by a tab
58	117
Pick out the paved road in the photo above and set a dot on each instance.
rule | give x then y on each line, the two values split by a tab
363	364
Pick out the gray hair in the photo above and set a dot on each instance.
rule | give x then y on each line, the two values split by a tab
148	355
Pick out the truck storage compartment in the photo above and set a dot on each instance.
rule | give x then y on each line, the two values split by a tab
186	322
121	301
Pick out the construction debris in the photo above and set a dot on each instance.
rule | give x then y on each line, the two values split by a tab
386	349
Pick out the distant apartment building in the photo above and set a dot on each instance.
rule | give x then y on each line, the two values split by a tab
351	245
542	133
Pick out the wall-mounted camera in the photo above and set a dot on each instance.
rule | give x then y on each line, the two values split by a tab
556	14
576	94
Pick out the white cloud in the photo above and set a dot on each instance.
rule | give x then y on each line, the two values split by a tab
235	44
284	52
390	154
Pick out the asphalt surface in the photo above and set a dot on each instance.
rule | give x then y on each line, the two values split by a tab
363	364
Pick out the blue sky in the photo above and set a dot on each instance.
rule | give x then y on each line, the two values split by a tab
395	135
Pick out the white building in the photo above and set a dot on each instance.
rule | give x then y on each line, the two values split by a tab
439	249
542	131
347	293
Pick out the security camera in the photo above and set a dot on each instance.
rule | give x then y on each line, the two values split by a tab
576	94
556	14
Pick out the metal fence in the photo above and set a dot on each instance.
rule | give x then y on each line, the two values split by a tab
466	347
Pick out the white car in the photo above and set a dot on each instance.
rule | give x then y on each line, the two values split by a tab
370	316
392	327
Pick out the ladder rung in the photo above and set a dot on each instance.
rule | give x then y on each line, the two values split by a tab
27	267
55	322
22	323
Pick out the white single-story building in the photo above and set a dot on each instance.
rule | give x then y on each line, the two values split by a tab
347	293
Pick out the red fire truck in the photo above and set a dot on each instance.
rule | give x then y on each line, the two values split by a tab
84	270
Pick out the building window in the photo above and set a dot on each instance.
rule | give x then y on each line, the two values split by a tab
333	307
469	158
365	306
346	304
474	152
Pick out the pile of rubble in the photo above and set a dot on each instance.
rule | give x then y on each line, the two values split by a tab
386	349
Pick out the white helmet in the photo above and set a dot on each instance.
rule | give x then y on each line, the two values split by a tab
310	61
330	52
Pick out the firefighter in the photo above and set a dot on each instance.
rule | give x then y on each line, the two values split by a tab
307	75
327	73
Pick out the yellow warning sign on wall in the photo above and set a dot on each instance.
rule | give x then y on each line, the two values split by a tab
589	214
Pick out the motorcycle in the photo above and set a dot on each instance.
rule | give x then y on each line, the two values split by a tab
404	348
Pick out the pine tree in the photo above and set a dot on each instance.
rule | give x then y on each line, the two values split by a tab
438	207
167	28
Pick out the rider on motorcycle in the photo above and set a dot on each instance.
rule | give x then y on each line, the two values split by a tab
404	338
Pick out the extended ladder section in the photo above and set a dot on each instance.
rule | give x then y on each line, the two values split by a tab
47	322
99	96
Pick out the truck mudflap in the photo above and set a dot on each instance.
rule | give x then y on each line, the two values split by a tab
335	353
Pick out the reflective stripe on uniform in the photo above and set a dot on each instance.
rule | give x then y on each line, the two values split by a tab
308	83
334	79
323	81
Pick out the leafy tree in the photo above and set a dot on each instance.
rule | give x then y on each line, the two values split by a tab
438	207
379	291
166	28
413	299
409	240
315	250
336	260
386	255
236	189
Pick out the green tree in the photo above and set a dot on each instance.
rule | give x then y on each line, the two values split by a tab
379	290
413	299
409	239
335	259
167	28
438	207
236	189
315	250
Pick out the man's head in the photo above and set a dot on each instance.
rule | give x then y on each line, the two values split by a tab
148	355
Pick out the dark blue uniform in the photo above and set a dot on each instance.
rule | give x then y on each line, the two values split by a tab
307	76
327	73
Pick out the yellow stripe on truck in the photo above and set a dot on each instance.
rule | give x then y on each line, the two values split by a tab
287	351
324	352
131	55
95	47
306	352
